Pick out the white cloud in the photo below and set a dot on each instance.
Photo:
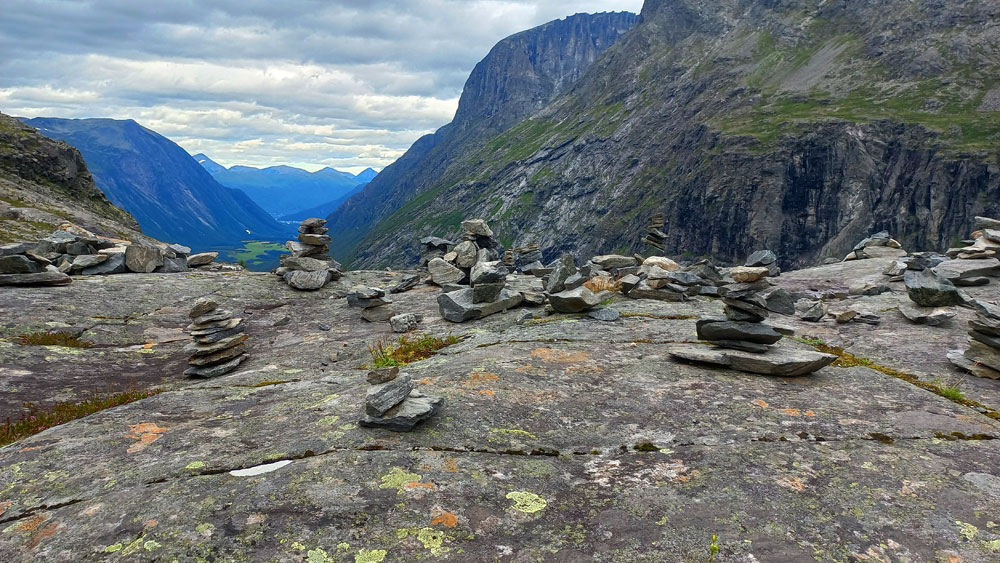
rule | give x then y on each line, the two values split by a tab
302	82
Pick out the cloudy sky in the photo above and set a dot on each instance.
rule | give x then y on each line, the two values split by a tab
309	83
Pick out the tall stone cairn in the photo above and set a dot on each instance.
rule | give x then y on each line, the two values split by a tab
309	266
219	344
655	237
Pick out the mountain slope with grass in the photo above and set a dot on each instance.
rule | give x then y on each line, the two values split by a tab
167	191
799	126
518	77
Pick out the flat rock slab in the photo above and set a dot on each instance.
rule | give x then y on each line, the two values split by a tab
786	363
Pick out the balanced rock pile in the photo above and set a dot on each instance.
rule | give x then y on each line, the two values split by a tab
983	243
219	344
393	403
488	294
309	267
529	257
565	284
433	247
982	358
374	305
478	245
879	245
744	342
655	237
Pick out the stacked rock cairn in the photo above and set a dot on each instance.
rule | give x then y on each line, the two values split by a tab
433	247
219	344
309	266
375	306
393	403
530	258
982	358
743	328
655	237
984	242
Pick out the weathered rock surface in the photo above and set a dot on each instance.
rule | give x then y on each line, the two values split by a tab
777	361
932	316
307	281
459	306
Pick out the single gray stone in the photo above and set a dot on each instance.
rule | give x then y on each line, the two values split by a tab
574	300
868	289
629	282
406	415
778	300
436	242
214	327
16	248
985	325
644	291
983	354
561	269
313	222
143	259
970	282
605	314
307	281
710	291
488	272
533	298
761	258
458	306
382	375
79	248
41	278
612	261
992	235
383	396
239	327
895	268
466	254
363	297
444	273
932	316
922	260
814	313
477	227
776	361
449	287
314	239
201	259
575	281
739	315
713	329
741	290
220	357
179	250
487	255
20	264
487	292
705	270
115	264
403	323
957	269
174	265
406	284
987	223
203	306
685	278
305	264
928	289
957	357
378	314
991	341
743	345
533	267
211	319
216	370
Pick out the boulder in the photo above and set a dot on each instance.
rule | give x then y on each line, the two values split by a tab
143	259
928	289
304	263
403	323
20	264
761	258
16	248
778	300
378	314
458	306
932	316
201	259
574	300
776	361
477	227
629	282
960	269
40	278
561	269
179	250
663	262
90	260
174	265
488	272
307	281
486	292
115	264
612	261
443	273
466	254
744	274
715	329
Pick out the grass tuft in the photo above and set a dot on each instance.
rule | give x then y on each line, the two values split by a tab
37	419
59	338
406	350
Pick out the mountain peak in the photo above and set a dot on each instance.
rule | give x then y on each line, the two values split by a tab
208	164
366	175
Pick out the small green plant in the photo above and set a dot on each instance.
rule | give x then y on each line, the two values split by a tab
810	340
950	390
713	548
406	350
646	447
58	338
36	418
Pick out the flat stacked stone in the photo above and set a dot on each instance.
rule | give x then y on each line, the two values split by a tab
982	358
219	344
529	258
984	241
393	403
309	266
879	245
488	294
764	259
655	237
433	247
375	306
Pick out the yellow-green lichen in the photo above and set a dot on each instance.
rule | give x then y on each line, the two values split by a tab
151	545
317	556
205	529
433	540
513	432
526	502
397	478
966	530
298	546
370	556
991	545
343	546
195	465
113	548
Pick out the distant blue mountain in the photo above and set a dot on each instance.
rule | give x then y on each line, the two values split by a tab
168	192
284	191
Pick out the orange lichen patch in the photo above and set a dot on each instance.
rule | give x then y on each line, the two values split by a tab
486	392
792	482
553	356
482	377
446	518
32	523
418	485
760	403
425	382
791	412
809	413
451	465
4	506
48	530
32	448
149	345
146	433
150	524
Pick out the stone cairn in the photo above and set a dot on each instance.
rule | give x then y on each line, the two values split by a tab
655	237
433	247
530	259
375	306
219	344
309	266
393	403
982	358
983	243
743	328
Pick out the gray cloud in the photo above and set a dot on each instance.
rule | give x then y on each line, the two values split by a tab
303	82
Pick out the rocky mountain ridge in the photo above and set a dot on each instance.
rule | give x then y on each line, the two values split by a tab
798	126
517	78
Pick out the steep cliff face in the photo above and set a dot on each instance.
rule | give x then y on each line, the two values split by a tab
794	125
517	78
44	182
171	195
